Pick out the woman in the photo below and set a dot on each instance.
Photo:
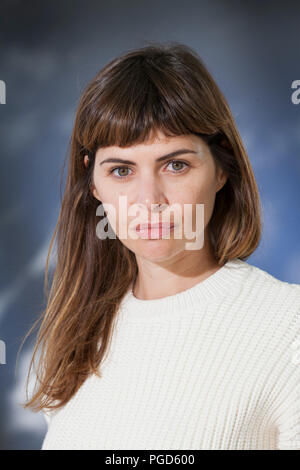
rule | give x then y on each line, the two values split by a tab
148	340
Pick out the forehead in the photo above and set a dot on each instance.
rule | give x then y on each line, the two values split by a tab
157	145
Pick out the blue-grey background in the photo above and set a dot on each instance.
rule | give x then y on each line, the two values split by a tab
49	50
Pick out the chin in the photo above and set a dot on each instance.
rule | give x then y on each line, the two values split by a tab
157	249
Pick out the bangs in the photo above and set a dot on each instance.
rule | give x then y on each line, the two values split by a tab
129	101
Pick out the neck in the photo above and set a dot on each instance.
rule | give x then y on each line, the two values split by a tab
214	290
157	280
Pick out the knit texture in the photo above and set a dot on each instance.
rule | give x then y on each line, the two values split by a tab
216	366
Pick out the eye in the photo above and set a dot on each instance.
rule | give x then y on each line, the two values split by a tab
124	167
176	162
119	168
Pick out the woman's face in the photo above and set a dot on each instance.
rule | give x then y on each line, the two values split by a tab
187	179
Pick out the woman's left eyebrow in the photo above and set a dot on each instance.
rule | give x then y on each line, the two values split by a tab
164	157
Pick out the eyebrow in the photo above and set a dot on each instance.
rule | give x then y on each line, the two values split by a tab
164	157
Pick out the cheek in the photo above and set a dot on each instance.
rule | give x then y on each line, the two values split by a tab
200	193
110	201
106	193
116	206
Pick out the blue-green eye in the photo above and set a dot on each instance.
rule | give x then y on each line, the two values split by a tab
120	168
176	162
124	167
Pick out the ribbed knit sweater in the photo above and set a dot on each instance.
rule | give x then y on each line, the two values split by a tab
216	366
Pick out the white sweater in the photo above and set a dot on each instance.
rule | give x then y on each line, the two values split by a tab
216	366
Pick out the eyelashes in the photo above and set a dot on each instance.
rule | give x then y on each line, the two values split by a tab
111	171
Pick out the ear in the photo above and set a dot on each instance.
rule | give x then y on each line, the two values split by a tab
86	161
92	187
95	193
221	179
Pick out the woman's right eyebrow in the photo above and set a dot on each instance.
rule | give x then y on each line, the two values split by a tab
164	157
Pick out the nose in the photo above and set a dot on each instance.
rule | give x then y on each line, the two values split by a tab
151	193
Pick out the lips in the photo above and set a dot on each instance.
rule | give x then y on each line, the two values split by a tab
161	225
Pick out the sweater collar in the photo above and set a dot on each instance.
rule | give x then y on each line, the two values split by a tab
221	283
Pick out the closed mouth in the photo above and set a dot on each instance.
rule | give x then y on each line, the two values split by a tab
161	225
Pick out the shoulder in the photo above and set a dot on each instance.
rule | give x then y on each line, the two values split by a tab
47	416
274	308
273	298
262	279
49	413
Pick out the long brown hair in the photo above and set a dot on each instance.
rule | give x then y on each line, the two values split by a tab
163	87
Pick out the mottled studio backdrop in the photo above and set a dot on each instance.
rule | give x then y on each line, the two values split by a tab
49	50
